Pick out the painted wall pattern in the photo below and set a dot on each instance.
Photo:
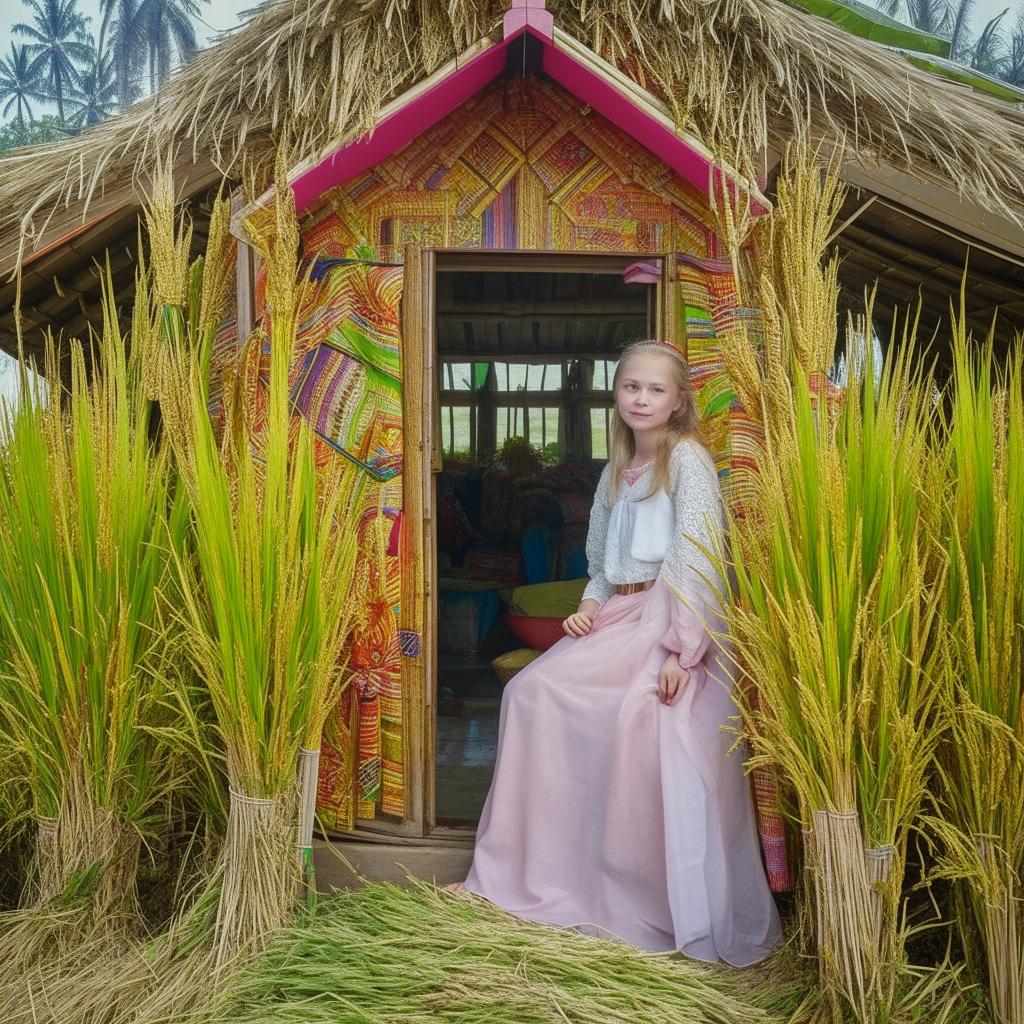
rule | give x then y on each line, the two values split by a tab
522	165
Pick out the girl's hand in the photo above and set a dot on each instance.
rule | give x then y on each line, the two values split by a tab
672	680
582	620
578	624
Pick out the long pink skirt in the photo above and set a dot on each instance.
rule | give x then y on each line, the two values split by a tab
615	814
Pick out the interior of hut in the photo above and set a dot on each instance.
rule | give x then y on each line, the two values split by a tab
524	367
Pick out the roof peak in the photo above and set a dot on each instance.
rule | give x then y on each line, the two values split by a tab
529	14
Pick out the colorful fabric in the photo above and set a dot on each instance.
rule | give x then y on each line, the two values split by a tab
709	311
347	384
520	165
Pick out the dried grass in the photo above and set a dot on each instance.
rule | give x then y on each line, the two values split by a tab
740	75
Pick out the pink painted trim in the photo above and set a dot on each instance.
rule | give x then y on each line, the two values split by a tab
411	120
529	14
642	272
404	125
584	83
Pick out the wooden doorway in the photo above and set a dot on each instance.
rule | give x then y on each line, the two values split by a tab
518	345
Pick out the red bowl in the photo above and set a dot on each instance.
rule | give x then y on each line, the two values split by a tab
538	632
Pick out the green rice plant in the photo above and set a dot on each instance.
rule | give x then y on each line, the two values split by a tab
837	620
83	498
267	570
253	621
836	624
981	796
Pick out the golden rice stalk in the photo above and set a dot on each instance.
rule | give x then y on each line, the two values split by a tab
169	248
218	271
83	496
800	227
795	287
981	801
795	621
837	624
269	588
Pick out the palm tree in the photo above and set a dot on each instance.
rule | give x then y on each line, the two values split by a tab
20	83
96	95
58	34
988	53
127	45
146	36
170	33
1013	62
927	15
957	29
950	19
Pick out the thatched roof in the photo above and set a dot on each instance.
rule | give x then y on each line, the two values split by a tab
739	74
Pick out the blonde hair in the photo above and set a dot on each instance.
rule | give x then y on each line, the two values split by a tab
683	424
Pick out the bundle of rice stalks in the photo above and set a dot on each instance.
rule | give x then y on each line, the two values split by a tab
384	953
836	619
784	270
267	573
83	499
981	821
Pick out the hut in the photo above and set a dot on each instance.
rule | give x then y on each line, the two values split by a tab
493	199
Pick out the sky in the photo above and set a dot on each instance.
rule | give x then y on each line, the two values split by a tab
215	17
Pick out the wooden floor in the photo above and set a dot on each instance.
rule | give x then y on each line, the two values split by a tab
345	864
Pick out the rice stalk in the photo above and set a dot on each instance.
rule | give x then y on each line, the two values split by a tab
980	823
264	593
836	620
82	499
266	572
463	960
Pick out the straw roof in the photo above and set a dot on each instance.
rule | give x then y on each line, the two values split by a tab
741	75
747	70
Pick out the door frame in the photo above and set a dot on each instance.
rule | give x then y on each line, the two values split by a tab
419	608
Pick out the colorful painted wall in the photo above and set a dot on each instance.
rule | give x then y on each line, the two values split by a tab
523	165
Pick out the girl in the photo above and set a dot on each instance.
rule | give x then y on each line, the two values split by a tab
615	806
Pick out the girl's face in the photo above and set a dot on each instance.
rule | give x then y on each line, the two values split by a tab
646	394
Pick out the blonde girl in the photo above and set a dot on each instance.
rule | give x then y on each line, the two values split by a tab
616	806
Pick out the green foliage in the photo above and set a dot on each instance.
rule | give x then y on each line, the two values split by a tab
82	503
49	128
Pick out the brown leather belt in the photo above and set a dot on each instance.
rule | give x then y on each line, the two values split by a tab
632	588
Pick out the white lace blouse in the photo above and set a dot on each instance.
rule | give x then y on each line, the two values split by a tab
643	536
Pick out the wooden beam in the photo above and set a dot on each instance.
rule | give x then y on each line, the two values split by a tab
877	240
940	207
192	177
245	280
883	266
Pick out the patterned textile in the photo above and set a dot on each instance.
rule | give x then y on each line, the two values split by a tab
409	642
709	310
520	165
346	383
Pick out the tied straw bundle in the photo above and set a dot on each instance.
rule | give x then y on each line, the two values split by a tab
82	709
268	572
836	621
266	586
980	799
